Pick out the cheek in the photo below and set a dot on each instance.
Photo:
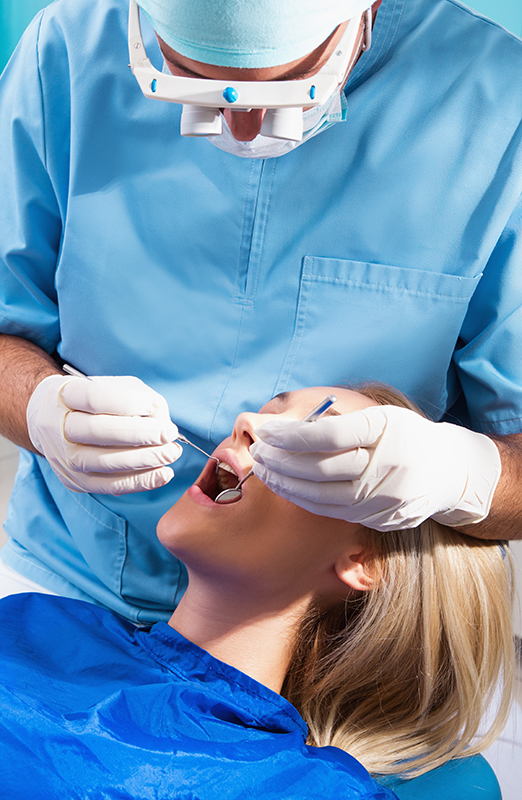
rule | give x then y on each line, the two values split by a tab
242	537
214	536
275	525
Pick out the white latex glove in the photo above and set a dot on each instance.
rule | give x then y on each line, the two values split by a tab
385	467
107	435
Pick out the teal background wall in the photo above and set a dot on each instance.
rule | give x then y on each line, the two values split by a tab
15	15
507	12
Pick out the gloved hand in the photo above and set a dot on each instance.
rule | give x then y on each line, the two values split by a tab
385	467
108	435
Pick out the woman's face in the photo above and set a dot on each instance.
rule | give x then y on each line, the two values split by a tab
261	537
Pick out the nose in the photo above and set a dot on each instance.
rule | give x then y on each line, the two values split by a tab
244	125
243	432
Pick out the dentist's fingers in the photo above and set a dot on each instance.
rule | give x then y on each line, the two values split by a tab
118	431
83	458
358	429
322	466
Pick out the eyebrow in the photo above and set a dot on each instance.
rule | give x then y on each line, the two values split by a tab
292	75
283	397
300	75
182	67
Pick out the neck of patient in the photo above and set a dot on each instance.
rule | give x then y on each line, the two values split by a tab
255	634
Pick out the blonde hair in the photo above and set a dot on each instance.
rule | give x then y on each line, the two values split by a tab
400	676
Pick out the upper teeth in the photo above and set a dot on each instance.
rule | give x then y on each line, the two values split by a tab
226	467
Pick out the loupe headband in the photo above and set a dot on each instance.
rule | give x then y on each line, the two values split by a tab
211	93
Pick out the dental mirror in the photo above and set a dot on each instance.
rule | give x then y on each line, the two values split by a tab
231	495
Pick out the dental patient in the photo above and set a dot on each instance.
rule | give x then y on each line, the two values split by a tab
305	651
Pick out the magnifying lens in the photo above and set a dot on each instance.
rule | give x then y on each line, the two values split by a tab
284	101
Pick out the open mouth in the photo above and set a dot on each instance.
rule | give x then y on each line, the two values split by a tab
214	480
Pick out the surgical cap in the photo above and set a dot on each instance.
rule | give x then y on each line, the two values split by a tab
248	33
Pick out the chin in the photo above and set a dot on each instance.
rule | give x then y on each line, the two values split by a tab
176	525
194	522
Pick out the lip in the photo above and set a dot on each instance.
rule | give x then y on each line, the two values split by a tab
229	457
202	499
196	493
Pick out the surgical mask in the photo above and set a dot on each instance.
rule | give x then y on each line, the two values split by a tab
315	120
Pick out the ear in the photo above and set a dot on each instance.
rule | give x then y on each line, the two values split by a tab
352	568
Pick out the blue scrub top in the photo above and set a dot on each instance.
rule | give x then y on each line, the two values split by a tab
90	706
387	248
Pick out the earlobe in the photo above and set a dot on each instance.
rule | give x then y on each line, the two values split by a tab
353	570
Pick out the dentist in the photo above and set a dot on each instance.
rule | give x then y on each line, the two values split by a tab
272	193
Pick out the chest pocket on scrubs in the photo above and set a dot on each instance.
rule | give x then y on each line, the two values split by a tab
357	321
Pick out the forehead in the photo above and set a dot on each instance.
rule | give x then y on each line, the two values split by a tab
302	401
292	70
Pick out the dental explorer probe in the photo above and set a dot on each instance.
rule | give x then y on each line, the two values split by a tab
231	495
179	438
